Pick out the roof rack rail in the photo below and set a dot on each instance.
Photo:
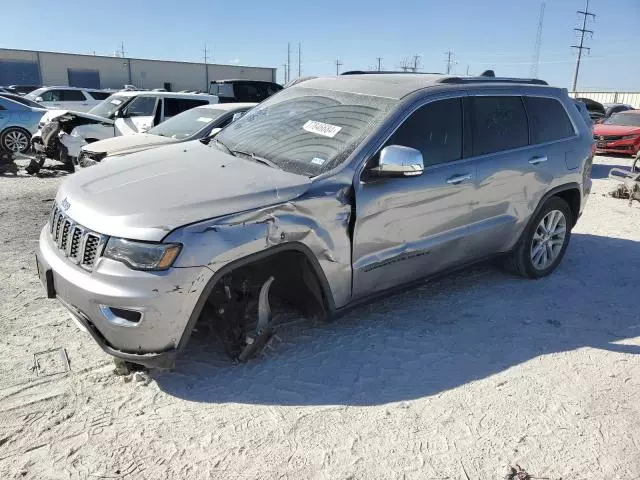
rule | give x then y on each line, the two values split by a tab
488	79
385	72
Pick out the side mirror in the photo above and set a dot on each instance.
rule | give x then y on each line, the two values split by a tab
399	161
214	132
39	99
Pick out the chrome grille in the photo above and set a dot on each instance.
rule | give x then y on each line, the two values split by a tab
75	242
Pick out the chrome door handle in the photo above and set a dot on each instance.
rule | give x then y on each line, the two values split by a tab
537	160
459	178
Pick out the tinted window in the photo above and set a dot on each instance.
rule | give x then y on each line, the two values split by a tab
435	130
548	120
500	123
141	107
51	96
174	106
72	96
100	95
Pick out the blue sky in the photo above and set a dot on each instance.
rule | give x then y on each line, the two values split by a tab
498	34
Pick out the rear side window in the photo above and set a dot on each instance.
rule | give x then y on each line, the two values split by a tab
99	95
435	130
174	106
499	123
72	96
548	120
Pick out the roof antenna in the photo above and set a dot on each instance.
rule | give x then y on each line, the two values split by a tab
488	73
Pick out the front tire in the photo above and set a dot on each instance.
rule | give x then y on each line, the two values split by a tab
544	241
15	140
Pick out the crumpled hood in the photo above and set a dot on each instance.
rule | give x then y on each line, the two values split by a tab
69	114
125	144
145	195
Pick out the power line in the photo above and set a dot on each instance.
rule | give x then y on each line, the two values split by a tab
449	54
338	65
535	61
585	14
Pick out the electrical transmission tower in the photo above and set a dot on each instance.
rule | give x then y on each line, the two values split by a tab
449	61
338	65
535	61
379	63
585	15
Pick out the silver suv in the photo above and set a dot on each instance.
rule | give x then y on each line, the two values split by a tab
327	194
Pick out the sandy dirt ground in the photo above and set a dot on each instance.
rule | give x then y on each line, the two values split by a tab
461	378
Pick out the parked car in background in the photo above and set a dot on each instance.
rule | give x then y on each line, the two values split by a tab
63	132
22	89
230	91
18	122
327	194
611	108
619	133
21	99
596	109
194	124
68	98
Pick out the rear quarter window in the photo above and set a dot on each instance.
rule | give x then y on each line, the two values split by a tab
548	120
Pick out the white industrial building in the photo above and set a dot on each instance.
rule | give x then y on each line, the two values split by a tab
31	67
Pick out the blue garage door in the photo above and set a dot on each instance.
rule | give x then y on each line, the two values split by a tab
83	78
19	72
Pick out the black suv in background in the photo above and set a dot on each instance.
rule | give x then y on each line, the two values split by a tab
231	91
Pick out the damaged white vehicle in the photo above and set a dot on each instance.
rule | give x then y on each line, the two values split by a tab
63	133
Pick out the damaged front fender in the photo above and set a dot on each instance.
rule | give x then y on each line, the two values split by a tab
317	226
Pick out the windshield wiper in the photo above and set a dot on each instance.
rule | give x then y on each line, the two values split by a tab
256	158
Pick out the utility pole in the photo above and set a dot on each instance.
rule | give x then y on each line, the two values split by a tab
449	62
206	70
416	61
467	70
535	61
288	61
338	65
299	59
379	63
585	14
122	49
284	69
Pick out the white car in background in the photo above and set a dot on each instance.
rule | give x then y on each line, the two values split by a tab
68	98
63	133
196	124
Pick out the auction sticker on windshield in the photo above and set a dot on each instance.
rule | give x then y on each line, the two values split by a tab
319	128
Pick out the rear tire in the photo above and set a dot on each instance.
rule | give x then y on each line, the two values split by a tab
544	242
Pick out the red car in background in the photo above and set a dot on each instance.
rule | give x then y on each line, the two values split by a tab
620	133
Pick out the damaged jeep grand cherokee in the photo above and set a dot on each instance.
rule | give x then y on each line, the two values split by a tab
325	195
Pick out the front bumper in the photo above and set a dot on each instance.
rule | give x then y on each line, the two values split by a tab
165	301
629	147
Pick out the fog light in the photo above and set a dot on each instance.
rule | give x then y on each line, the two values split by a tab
121	317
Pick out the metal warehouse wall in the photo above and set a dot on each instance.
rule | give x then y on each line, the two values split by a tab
114	71
632	98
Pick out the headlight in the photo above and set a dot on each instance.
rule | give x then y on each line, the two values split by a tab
629	137
142	255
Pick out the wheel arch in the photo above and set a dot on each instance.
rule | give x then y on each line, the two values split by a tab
292	247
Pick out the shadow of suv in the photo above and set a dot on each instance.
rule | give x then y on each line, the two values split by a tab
329	193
